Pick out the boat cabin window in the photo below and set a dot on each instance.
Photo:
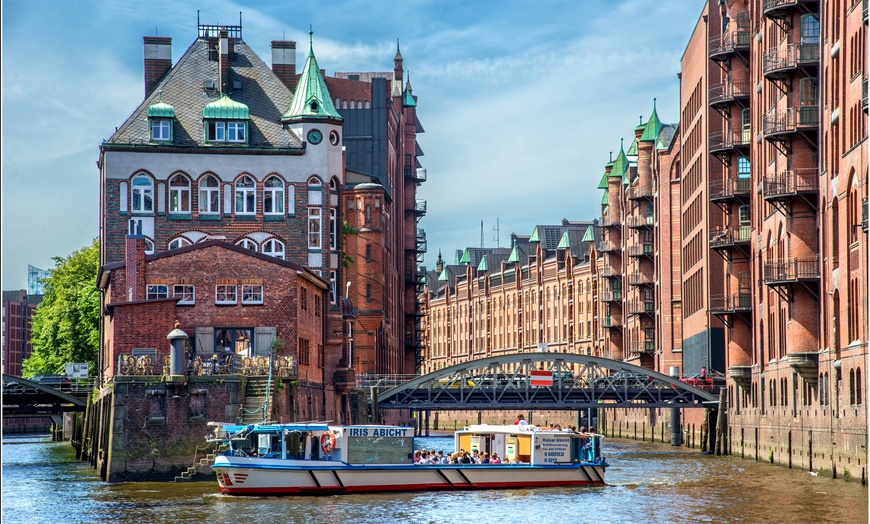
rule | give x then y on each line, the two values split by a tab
379	450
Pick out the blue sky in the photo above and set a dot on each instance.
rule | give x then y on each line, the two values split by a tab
521	101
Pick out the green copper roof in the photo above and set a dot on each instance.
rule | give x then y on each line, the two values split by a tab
515	254
311	99
632	151
653	126
466	257
225	107
564	242
620	164
161	109
603	183
482	266
589	236
534	237
604	198
408	99
443	276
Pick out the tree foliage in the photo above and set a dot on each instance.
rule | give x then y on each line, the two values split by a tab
66	325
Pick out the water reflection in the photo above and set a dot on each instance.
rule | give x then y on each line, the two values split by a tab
42	482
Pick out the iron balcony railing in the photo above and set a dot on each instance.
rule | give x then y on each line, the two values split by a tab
612	321
610	221
636	307
608	246
729	43
726	92
728	304
723	141
730	188
780	8
787	271
791	120
779	60
420	207
639	191
642	249
730	236
638	279
639	221
611	296
611	271
791	183
642	346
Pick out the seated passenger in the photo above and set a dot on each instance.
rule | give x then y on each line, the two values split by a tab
485	459
416	456
494	459
466	458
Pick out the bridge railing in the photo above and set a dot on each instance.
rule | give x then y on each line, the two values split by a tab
383	382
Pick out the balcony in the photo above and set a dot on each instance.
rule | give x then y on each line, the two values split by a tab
731	304
612	322
643	307
780	123
639	279
781	61
741	375
611	271
788	184
639	221
608	246
642	249
730	188
610	221
612	296
419	245
639	192
805	363
724	142
791	271
776	9
642	346
727	92
730	237
420	208
724	46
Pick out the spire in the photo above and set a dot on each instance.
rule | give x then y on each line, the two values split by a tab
439	265
653	126
398	71
311	101
621	162
515	253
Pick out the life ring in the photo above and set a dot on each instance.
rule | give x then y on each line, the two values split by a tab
327	441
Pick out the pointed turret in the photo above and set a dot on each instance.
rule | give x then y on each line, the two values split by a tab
621	162
398	71
653	126
311	101
439	265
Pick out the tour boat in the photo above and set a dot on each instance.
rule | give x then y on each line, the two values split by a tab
320	459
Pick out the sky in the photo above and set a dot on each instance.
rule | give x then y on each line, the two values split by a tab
522	102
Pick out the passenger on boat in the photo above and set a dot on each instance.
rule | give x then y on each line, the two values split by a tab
475	456
520	421
485	459
440	458
466	458
417	455
494	459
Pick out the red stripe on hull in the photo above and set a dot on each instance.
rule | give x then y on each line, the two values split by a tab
409	487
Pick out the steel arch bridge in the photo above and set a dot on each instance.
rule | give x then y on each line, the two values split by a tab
22	397
503	382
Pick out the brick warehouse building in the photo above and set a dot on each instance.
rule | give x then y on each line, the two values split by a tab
760	212
227	153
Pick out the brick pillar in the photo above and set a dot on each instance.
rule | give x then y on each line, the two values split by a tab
224	60
158	60
284	62
135	266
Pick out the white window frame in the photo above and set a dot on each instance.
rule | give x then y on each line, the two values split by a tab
187	292
156	291
179	195
245	196
273	196
274	248
247	243
216	131
333	286
333	228
207	193
252	294
226	294
143	194
236	131
161	130
149	246
315	228
178	242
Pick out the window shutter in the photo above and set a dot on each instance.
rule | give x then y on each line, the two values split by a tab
204	340
263	338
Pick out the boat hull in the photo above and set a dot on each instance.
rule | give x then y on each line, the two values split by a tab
247	476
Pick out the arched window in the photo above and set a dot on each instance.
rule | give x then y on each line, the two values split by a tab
273	196
149	246
274	248
859	388
178	242
143	194
851	387
179	194
209	196
246	196
247	243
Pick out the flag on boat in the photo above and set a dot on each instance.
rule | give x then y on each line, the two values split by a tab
541	377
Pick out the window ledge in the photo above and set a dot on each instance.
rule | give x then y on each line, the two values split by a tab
209	217
273	218
246	218
179	216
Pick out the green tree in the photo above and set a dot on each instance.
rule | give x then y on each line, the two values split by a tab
66	325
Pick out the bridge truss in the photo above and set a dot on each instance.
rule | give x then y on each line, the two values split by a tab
22	397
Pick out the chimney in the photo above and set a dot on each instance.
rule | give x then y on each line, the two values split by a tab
135	262
158	60
284	62
224	60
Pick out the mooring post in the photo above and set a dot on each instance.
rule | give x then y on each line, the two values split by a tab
676	430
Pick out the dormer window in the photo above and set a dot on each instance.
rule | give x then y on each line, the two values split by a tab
161	116
226	120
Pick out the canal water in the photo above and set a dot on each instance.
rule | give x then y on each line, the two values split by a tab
647	483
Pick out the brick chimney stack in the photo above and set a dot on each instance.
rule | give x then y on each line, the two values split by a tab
135	264
224	58
284	62
158	60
